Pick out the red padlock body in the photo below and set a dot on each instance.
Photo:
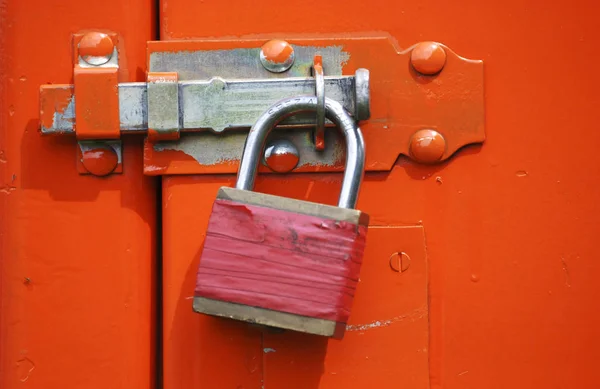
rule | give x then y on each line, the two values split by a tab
281	262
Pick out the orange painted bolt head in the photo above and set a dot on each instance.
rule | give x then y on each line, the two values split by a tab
428	58
96	48
277	55
427	146
100	161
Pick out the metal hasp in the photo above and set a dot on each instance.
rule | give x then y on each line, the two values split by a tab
202	96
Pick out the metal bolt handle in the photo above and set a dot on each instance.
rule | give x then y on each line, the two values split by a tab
355	146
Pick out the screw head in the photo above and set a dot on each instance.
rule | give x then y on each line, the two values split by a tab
100	161
277	56
427	146
428	58
400	262
281	156
96	48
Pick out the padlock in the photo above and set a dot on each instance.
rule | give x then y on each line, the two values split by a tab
282	262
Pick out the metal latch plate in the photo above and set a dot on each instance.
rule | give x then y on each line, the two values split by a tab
222	87
402	102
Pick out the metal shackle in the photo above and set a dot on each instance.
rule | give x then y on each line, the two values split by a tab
334	111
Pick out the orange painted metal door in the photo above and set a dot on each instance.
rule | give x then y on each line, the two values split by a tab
479	271
77	253
502	237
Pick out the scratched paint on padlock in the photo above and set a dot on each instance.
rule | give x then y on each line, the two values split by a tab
279	260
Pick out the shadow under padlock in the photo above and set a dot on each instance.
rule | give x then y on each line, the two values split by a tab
279	262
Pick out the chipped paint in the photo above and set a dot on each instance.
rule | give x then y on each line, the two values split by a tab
417	314
267	350
25	367
212	149
57	114
206	64
7	189
63	121
57	108
216	104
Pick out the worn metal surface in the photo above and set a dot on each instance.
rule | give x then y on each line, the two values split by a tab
218	153
327	211
203	60
163	106
220	104
214	104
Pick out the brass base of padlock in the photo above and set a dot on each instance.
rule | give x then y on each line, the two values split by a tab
268	317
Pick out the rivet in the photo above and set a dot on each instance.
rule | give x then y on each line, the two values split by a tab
100	161
281	156
400	262
277	56
96	48
427	146
428	58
